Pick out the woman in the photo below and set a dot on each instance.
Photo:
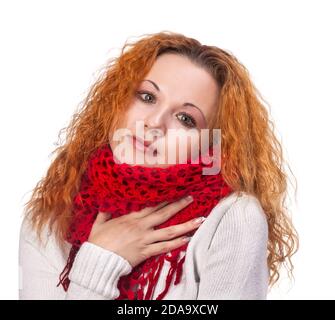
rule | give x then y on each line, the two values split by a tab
109	223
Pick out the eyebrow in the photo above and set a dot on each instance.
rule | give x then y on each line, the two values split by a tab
184	104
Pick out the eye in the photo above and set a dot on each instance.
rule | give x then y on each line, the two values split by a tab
146	94
187	120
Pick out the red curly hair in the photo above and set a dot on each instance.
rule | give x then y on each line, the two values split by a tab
255	161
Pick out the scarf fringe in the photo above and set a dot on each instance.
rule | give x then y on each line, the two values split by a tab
151	278
64	276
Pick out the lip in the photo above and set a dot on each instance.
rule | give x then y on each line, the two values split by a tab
141	144
145	143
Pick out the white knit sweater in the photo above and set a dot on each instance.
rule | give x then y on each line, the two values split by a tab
225	259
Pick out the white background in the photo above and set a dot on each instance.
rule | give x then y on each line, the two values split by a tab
51	52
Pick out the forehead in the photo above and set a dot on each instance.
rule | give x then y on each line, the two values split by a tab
178	77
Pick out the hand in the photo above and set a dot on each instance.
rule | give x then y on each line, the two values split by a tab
133	236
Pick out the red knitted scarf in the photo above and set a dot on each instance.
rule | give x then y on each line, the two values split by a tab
121	188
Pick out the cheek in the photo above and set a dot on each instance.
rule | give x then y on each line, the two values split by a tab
135	112
130	116
184	146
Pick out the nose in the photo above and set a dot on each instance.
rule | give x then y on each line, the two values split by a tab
156	121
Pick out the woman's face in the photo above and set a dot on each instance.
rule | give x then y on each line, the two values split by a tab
172	104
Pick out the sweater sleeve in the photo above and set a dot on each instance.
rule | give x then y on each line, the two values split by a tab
94	274
236	262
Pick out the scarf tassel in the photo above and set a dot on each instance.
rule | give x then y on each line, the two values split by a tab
175	267
64	276
153	277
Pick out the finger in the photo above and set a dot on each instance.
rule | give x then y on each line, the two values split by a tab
175	231
102	217
167	212
148	210
166	246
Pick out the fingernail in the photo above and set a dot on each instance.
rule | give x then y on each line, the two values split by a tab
200	219
189	198
186	239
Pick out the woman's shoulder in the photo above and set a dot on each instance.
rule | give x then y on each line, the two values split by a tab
45	242
236	219
243	210
233	260
28	233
